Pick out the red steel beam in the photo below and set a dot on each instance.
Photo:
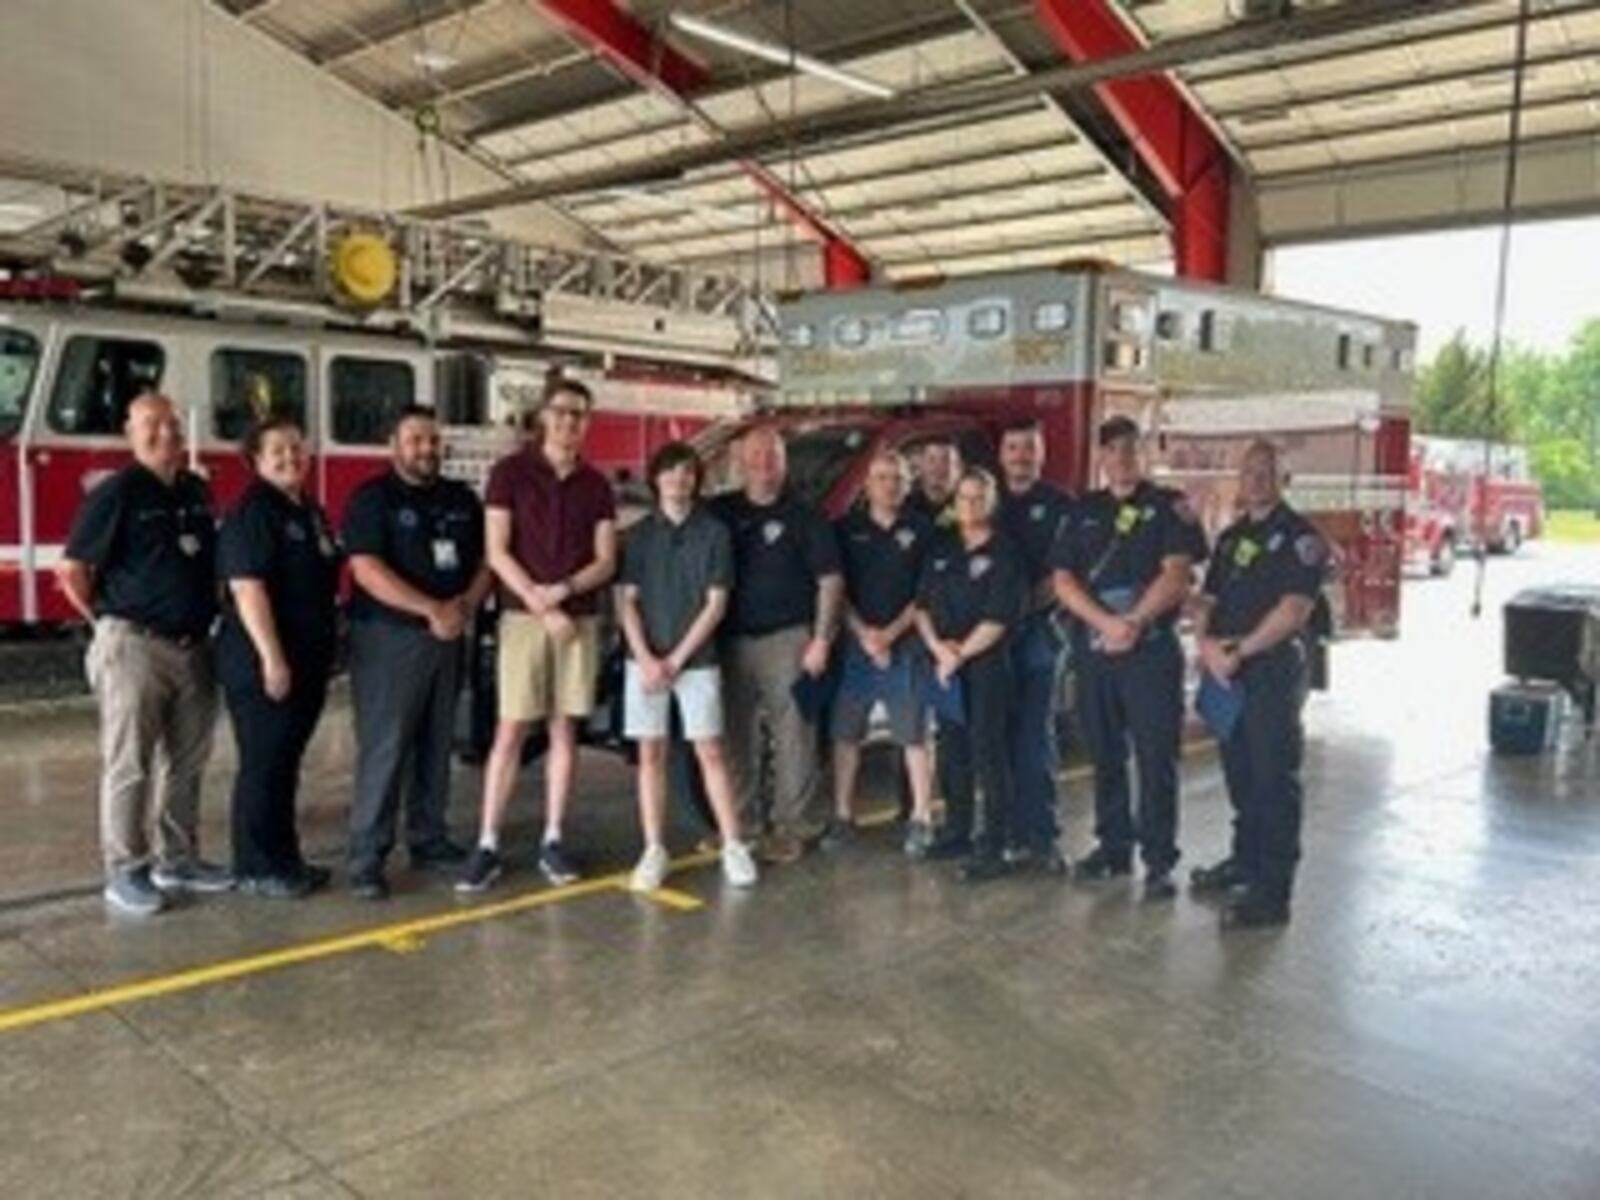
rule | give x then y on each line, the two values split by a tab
1170	138
652	62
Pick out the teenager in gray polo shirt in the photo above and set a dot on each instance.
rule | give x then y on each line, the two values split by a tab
677	570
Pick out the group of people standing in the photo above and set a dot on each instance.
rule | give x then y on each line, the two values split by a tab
761	634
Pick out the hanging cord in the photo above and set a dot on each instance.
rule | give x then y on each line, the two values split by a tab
1496	346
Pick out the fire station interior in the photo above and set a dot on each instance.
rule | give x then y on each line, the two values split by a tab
875	222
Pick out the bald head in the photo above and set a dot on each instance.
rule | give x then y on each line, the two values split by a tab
763	463
155	434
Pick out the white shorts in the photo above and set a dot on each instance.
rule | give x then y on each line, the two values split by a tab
646	714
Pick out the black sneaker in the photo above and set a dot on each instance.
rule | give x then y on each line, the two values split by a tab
438	856
368	883
837	834
555	866
946	847
1218	878
981	868
1101	863
1158	885
315	876
483	868
1256	910
276	887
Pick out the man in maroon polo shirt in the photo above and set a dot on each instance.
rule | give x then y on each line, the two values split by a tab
551	541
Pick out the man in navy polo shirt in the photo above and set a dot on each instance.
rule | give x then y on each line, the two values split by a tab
415	542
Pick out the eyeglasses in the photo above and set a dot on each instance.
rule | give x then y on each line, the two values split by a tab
567	411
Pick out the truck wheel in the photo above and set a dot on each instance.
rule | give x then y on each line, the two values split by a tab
1443	561
1511	542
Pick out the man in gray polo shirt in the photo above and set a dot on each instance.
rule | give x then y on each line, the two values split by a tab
677	570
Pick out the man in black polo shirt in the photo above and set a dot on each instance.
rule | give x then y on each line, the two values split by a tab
785	612
140	565
415	543
1032	512
882	545
1124	565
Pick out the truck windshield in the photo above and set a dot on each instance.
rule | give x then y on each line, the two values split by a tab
19	359
819	456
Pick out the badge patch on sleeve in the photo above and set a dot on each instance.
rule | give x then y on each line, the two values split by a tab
1310	549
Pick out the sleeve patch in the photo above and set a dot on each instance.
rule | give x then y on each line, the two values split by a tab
1310	550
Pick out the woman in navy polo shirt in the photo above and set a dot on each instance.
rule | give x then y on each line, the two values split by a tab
279	631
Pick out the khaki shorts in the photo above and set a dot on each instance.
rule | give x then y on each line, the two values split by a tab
541	677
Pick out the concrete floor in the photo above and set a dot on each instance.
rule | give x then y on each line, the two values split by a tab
861	1026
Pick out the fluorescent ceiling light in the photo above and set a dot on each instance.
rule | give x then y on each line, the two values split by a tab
782	56
434	60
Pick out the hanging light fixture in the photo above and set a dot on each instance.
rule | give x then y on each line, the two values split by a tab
782	56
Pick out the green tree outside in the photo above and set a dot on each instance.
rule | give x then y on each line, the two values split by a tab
1548	402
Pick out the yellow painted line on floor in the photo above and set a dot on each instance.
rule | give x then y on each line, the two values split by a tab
672	898
404	937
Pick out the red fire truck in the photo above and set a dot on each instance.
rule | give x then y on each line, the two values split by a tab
1465	495
66	376
240	306
1204	370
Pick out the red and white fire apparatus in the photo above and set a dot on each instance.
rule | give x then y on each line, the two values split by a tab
240	307
1465	495
1204	370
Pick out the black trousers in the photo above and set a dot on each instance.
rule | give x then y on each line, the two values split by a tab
272	736
1135	697
976	758
404	683
1261	763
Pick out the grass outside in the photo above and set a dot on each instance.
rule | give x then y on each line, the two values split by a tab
1573	525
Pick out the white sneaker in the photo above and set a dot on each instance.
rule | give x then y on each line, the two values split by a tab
739	865
651	870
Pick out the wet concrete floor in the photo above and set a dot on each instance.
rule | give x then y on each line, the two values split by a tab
858	1026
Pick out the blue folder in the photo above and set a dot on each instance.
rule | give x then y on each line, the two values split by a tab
1219	704
945	701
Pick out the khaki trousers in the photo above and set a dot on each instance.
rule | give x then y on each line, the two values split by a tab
158	709
761	716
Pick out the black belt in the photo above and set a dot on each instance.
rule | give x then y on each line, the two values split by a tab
183	641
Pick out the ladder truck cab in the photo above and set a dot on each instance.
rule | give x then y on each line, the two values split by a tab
241	307
1203	370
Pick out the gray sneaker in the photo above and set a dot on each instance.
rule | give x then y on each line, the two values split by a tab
919	836
193	875
131	892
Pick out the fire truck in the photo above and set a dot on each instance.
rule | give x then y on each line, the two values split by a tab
1466	496
1203	370
241	306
